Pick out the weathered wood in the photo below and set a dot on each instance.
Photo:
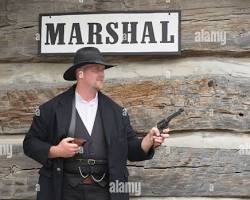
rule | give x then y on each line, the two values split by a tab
213	103
21	106
174	171
210	102
20	185
18	173
194	172
19	24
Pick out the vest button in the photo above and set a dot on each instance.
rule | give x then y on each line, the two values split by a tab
58	169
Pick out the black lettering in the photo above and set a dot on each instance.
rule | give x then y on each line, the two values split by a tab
52	34
132	32
164	25
148	27
112	33
96	32
76	29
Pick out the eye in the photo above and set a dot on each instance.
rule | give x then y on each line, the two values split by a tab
101	68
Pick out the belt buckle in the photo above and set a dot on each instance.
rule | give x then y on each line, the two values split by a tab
88	181
91	161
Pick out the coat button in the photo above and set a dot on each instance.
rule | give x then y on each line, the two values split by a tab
58	169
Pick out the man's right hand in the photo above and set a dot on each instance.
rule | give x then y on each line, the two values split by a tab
64	149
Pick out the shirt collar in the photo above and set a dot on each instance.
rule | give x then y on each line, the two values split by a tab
93	101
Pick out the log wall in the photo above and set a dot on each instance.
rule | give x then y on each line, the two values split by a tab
207	154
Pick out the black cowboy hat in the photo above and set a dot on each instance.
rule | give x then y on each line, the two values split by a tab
84	56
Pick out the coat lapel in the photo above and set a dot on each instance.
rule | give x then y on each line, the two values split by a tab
107	116
63	113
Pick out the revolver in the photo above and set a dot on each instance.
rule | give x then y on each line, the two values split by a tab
163	124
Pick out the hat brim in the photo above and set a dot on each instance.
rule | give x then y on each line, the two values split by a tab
70	75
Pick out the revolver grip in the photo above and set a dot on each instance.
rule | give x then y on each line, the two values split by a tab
163	124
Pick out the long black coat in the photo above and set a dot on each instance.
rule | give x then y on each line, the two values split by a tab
51	125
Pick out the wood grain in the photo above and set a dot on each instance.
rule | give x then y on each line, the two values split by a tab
174	171
19	24
211	103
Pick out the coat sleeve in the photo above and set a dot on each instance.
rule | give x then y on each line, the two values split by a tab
36	142
135	152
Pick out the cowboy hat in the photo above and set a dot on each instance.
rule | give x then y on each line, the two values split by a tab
84	56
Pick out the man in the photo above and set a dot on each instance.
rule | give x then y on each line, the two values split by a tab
83	168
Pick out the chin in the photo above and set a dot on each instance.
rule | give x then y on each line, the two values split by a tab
99	87
100	84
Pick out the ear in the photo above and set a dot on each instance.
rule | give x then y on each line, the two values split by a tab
81	74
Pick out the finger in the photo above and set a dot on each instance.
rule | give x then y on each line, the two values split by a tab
155	131
76	151
157	144
160	140
166	130
71	154
76	148
73	145
160	137
164	135
73	151
68	139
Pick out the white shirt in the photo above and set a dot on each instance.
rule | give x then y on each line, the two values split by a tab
87	110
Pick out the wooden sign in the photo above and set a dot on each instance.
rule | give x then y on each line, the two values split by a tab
136	33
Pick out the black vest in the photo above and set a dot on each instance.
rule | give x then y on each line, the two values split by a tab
94	148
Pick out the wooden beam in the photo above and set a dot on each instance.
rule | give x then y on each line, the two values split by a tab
174	171
19	24
194	172
211	103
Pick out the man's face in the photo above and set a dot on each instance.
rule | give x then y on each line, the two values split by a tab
92	75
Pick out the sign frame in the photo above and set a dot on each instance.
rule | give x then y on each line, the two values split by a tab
113	12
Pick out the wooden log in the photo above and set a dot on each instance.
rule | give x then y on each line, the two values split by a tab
19	24
174	171
211	103
18	173
194	172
